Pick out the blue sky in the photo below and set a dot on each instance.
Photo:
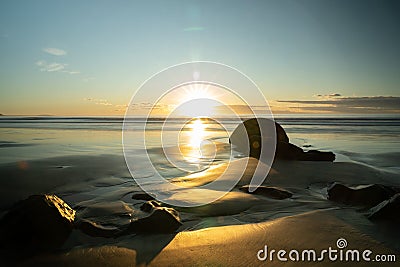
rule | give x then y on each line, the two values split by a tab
89	57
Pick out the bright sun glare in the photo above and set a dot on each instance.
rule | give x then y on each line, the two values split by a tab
197	100
196	133
194	137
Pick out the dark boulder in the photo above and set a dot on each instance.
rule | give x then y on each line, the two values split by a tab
288	151
315	155
40	222
366	196
268	191
247	138
142	196
160	220
387	210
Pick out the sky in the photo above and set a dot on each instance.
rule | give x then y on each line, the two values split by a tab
89	57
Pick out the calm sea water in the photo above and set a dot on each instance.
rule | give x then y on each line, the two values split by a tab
372	140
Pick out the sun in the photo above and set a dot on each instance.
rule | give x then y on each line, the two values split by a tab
196	91
197	101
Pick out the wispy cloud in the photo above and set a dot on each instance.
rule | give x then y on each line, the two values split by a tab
55	51
329	95
193	29
55	67
98	101
71	71
104	102
50	67
88	79
340	104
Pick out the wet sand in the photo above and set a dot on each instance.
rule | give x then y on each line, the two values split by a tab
229	231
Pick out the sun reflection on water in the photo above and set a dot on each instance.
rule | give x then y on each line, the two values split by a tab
195	139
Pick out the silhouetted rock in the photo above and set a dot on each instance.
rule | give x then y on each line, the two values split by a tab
96	230
40	222
160	220
247	139
386	210
288	151
269	191
315	155
366	196
142	196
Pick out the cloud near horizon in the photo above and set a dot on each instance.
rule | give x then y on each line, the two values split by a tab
118	108
329	96
97	101
341	104
55	51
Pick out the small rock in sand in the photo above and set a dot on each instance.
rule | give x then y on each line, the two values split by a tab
160	220
367	196
40	222
269	191
386	210
150	205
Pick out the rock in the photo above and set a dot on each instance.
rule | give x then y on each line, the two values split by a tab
40	222
247	139
367	196
96	230
150	205
288	151
251	128
315	155
142	196
387	210
160	220
269	191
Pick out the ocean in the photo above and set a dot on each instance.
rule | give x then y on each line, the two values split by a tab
372	140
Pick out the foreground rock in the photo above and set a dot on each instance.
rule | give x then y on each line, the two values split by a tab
248	139
40	222
387	210
96	230
153	218
269	191
367	196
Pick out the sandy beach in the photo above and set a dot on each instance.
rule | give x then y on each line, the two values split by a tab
229	231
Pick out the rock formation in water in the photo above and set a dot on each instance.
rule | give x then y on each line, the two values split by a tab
387	210
142	196
269	191
248	139
365	196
